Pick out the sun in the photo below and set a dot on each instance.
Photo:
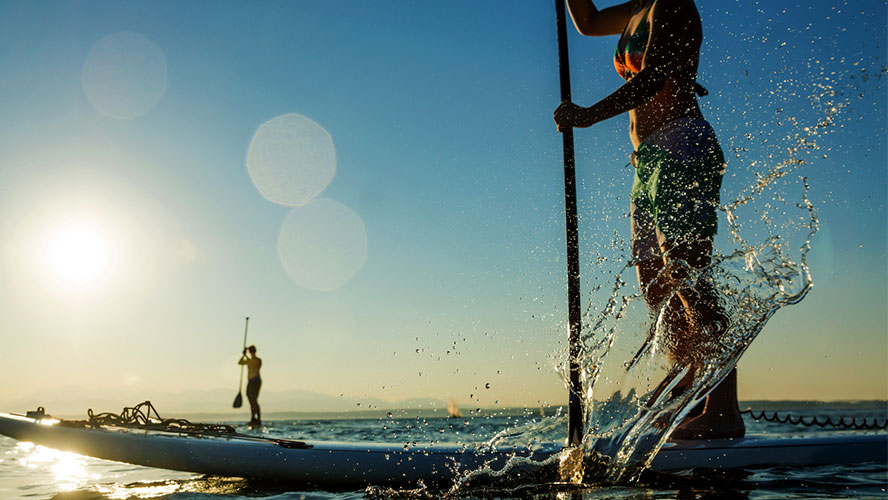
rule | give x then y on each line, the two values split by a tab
78	254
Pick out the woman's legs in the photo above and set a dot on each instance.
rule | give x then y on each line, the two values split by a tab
253	387
693	317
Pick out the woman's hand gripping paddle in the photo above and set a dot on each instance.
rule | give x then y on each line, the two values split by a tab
239	399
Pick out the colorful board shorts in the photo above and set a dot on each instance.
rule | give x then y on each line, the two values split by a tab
678	174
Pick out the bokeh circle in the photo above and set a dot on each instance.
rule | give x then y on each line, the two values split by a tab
323	244
124	75
291	159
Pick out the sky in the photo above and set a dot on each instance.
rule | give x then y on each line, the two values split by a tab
378	187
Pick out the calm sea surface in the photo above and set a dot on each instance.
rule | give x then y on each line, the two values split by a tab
34	472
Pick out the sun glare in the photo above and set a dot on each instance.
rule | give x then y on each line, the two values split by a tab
78	254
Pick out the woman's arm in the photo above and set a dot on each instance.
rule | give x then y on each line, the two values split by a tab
672	51
630	95
590	21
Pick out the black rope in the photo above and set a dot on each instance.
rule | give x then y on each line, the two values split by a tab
145	416
842	423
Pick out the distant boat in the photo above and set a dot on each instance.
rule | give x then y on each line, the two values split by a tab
453	410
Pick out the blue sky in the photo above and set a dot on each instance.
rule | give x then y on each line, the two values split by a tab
445	150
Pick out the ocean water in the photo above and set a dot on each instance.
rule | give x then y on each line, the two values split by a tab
28	471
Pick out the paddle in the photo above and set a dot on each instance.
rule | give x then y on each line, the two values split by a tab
239	399
574	313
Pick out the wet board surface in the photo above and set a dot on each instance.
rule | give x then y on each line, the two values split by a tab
331	463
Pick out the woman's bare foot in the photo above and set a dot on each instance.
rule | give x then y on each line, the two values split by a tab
711	425
720	418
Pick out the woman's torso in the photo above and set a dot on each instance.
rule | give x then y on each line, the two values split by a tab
253	366
677	98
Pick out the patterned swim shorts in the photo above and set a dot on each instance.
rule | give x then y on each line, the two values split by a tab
675	194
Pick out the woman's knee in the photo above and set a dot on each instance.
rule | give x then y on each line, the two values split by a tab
693	251
652	282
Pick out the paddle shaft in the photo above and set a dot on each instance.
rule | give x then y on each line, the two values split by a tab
241	383
575	402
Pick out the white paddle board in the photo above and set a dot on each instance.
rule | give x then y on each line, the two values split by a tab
338	464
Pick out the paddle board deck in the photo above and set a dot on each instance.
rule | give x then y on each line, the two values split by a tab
339	464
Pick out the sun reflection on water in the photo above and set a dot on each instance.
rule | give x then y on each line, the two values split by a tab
40	470
68	469
146	490
155	489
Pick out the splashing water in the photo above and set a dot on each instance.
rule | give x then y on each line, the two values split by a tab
759	267
630	407
626	430
761	274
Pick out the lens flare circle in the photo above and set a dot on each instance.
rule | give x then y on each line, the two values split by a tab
291	160
323	244
124	75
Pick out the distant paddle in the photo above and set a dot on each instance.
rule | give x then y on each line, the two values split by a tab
239	399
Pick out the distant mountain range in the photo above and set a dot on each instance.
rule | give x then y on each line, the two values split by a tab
73	403
215	404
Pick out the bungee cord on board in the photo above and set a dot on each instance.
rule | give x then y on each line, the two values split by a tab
816	421
145	416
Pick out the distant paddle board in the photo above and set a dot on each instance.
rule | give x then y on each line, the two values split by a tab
338	464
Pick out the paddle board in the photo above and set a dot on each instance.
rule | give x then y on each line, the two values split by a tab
339	464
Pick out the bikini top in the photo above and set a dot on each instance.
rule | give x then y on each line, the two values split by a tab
628	59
